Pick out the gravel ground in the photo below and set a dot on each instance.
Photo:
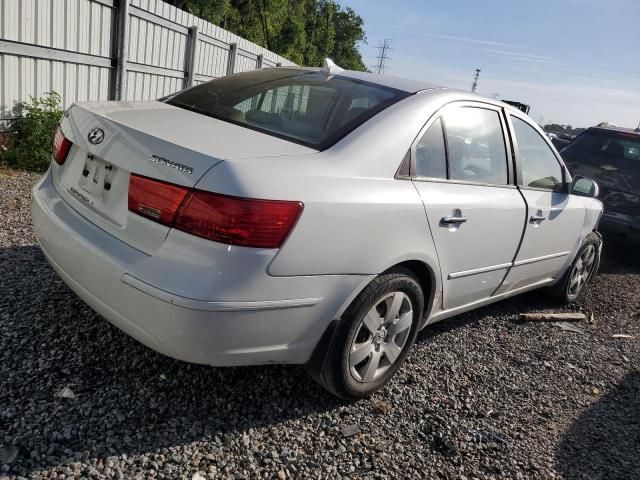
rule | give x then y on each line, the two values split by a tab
481	396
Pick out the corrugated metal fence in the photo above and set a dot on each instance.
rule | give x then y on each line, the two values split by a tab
113	49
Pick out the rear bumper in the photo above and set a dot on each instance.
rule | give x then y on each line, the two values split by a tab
112	278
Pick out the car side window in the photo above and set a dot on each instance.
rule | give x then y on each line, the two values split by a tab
431	159
539	166
476	146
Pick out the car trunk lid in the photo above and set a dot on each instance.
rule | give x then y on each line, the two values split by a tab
113	140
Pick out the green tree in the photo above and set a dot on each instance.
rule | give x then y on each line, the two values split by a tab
304	31
292	40
321	33
349	32
214	11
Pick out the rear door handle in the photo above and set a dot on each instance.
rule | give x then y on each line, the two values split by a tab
449	220
537	218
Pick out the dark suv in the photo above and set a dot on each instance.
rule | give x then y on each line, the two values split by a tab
611	156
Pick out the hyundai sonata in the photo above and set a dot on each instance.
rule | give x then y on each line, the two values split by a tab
308	216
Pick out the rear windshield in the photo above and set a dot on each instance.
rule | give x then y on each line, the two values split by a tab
615	145
310	108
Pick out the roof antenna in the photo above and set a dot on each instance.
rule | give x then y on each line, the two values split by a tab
330	68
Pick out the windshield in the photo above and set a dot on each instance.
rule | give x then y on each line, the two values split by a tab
307	107
603	144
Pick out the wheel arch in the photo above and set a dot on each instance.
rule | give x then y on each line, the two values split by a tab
426	278
427	272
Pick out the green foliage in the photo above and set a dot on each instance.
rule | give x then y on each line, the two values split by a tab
349	28
31	133
304	31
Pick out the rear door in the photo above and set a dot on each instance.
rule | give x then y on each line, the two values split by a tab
554	217
461	168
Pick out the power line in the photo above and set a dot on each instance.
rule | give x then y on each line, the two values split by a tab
383	48
474	86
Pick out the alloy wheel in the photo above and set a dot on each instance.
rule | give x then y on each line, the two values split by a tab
582	269
381	336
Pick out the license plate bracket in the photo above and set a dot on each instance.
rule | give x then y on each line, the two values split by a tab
97	177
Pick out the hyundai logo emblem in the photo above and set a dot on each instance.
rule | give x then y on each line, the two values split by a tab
96	136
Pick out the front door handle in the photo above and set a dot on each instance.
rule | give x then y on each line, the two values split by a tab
450	220
537	218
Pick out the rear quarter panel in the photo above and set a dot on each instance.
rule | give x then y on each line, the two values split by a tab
349	225
357	218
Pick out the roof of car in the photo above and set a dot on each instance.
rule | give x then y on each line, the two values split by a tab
399	83
407	85
413	86
391	81
613	128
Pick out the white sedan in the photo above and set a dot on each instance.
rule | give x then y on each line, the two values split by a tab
308	216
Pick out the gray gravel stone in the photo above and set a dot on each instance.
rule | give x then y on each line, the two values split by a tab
8	454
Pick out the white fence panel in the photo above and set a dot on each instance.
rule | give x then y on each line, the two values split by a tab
70	47
245	62
213	57
69	26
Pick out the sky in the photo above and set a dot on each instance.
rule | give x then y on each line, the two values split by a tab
575	62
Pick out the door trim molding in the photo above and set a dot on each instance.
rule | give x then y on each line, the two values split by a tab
540	259
475	271
442	314
492	268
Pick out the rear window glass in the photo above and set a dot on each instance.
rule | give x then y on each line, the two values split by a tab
311	108
608	144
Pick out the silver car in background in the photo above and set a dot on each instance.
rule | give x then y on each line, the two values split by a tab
308	216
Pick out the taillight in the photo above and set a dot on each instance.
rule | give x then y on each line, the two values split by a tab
238	221
221	218
154	199
61	146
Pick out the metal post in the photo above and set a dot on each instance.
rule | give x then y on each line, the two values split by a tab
259	62
122	51
231	65
193	51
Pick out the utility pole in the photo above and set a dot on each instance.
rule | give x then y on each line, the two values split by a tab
383	47
122	51
475	81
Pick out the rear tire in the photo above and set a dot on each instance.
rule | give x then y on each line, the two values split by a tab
582	270
373	337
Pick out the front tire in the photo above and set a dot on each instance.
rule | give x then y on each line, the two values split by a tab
374	336
582	270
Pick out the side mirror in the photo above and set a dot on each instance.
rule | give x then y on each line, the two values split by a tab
585	187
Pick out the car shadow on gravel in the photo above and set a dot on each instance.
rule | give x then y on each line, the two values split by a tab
510	308
618	258
604	442
128	398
